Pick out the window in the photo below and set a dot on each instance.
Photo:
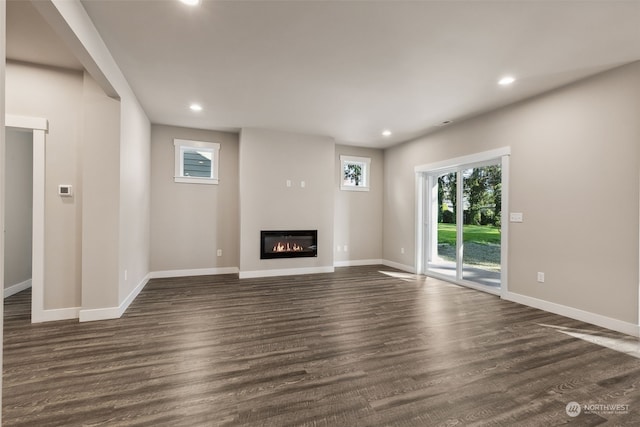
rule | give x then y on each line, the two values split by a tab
355	173
196	161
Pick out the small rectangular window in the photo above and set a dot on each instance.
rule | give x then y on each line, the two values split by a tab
355	173
196	161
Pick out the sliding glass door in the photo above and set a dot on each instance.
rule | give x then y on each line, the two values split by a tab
463	223
443	233
481	225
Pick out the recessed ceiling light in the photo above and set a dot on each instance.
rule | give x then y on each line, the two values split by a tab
506	81
195	107
386	132
190	2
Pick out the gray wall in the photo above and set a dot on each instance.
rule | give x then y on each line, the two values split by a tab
19	206
100	193
358	214
190	222
575	162
55	94
135	194
267	160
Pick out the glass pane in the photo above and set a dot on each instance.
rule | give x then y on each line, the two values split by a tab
196	163
481	227
443	256
354	174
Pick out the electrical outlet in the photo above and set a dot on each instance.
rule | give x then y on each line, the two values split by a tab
540	277
219	252
401	250
346	248
125	275
338	248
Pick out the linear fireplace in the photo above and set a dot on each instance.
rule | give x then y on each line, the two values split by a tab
288	244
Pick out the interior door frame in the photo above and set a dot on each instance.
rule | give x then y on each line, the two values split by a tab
39	127
424	216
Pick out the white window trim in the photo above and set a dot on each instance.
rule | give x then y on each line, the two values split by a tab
366	173
179	165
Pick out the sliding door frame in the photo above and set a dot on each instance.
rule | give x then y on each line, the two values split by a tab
425	217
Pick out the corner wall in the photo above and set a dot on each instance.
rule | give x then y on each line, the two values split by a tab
100	197
575	169
135	199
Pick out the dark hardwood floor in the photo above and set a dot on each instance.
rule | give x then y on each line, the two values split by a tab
354	348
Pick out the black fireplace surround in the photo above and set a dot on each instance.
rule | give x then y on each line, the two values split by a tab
288	243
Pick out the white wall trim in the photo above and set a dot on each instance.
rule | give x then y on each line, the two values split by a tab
192	272
92	314
55	314
24	122
575	313
357	262
39	127
132	295
504	227
403	267
464	160
18	287
285	272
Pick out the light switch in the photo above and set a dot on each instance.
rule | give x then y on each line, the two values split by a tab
516	217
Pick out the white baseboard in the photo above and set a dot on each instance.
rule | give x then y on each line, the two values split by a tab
285	272
55	314
19	287
357	262
90	315
132	295
403	267
575	313
192	272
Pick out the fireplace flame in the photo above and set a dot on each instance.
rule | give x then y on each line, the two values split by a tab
287	247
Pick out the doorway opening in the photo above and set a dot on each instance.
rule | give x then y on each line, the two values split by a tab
18	210
461	229
38	128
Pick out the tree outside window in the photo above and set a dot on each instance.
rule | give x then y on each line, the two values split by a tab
355	173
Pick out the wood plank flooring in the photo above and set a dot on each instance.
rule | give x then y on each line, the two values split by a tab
364	346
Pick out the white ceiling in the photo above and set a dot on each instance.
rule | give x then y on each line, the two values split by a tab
349	69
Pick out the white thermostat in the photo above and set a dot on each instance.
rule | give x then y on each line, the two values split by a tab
65	190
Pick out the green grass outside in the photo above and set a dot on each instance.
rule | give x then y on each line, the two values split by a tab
471	233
